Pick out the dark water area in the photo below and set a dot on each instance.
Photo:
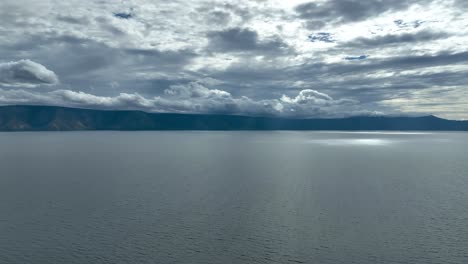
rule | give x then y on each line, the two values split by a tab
233	197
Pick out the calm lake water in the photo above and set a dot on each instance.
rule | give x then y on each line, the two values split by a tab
233	197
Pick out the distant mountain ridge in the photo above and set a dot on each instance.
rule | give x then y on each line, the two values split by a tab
53	118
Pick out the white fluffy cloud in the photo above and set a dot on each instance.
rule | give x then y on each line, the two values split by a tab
195	90
194	98
26	73
308	96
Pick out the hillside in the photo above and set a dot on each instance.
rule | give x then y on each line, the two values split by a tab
51	118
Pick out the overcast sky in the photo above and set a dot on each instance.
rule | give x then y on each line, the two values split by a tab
324	58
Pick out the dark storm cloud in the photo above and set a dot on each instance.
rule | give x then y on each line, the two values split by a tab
242	40
345	11
396	39
26	73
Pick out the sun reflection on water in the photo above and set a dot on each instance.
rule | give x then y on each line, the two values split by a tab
354	142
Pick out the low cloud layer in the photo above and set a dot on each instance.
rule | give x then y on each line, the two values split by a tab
194	97
296	58
26	73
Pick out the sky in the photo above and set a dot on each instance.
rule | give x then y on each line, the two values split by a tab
298	59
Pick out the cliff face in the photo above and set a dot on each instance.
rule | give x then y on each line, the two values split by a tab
50	118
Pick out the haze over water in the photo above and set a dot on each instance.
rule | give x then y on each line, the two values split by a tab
233	197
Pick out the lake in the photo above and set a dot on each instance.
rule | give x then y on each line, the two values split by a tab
233	197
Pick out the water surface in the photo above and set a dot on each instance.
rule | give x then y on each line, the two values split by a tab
233	197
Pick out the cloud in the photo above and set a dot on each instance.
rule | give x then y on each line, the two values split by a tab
218	17
391	66
241	57
75	99
194	97
73	20
460	3
26	73
321	37
308	96
242	40
400	23
195	90
395	39
346	11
